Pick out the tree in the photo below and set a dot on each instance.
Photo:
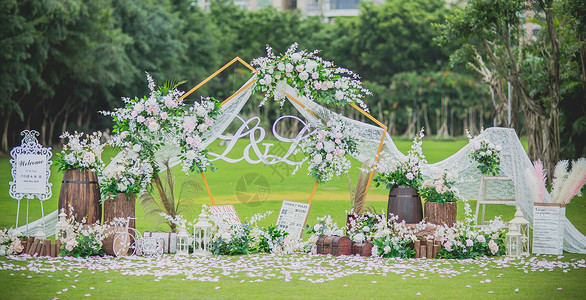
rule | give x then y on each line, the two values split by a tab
494	44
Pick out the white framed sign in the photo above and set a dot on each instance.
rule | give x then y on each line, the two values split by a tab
292	217
548	228
227	213
31	169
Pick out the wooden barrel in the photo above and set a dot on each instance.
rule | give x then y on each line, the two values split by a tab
120	207
79	189
404	201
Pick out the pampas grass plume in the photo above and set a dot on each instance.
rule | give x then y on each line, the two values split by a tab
533	185
559	176
540	178
575	180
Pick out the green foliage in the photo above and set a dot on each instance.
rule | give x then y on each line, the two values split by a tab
87	245
274	235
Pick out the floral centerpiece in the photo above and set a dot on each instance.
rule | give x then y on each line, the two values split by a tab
10	242
130	172
82	151
464	241
486	155
405	171
326	148
440	189
393	239
245	238
82	240
310	75
362	227
440	196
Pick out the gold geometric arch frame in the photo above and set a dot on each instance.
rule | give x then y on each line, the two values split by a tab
294	99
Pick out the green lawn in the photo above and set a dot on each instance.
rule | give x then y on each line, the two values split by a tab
288	277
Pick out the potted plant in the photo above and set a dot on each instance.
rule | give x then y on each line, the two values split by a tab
403	178
81	161
440	199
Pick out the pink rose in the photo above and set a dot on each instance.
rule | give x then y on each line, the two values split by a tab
319	146
317	85
329	157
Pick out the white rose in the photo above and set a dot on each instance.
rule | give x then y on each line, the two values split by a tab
387	249
296	56
190	154
311	65
200	111
154	126
317	159
288	68
268	79
136	148
303	75
281	66
339	95
317	227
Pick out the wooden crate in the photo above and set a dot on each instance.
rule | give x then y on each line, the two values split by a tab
362	249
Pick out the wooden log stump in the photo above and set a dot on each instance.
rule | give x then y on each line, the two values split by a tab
79	189
120	207
441	213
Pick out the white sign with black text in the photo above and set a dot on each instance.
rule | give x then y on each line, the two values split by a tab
548	228
292	217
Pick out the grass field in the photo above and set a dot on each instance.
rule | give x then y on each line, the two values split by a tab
286	277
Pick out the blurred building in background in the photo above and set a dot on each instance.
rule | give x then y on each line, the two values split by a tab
326	9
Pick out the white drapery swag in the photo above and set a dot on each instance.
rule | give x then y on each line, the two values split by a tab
514	159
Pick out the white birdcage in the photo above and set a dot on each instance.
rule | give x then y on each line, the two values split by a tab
524	228
182	241
202	235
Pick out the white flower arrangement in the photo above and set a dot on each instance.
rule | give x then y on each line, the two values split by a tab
392	238
145	124
310	75
82	151
404	172
325	226
128	173
80	239
440	188
9	242
326	148
464	241
486	155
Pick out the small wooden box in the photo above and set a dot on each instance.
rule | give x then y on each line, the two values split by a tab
362	249
334	245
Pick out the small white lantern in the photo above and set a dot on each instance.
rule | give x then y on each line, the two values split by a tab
513	241
524	228
202	236
61	224
182	241
40	234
